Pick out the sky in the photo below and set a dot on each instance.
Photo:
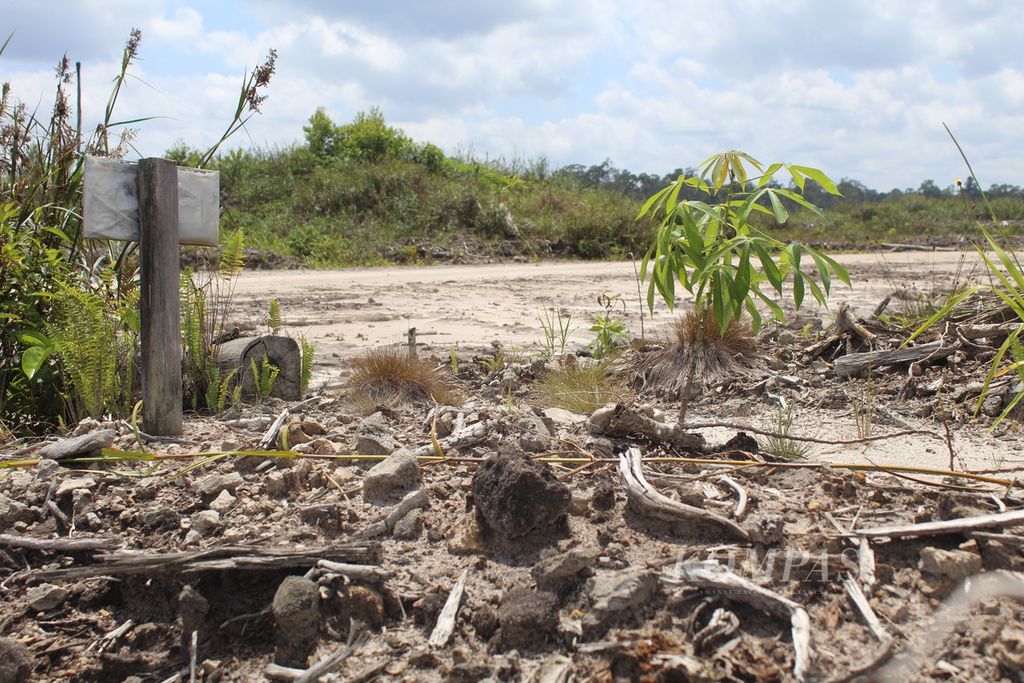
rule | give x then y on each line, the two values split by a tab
859	89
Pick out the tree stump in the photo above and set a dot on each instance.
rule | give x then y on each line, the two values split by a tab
282	352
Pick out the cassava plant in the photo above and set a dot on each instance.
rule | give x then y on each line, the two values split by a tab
715	249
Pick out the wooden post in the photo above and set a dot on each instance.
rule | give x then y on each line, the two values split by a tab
160	269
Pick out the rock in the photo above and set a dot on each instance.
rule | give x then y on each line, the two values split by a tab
366	605
223	502
484	621
318	446
560	571
466	537
85	444
210	486
192	611
1009	650
68	485
617	594
517	497
206	522
785	338
373	436
950	564
276	483
531	442
992	405
46	596
296	609
397	473
12	511
564	418
158	518
409	527
528	618
602	498
15	662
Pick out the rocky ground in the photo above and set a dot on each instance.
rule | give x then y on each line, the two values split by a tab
566	573
543	545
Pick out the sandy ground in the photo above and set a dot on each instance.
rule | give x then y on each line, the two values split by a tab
471	307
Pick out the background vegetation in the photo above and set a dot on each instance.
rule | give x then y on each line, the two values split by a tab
364	193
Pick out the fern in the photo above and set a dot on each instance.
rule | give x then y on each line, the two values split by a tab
224	390
274	316
306	367
232	256
264	377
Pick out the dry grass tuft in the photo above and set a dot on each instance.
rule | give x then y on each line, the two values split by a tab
581	387
719	356
390	377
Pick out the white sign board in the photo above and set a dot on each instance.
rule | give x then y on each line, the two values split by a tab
111	202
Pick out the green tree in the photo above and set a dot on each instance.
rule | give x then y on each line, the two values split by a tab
321	134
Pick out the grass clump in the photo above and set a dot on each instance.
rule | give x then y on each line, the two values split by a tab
390	377
779	446
719	355
581	387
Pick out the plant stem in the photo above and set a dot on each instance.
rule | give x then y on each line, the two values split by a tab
698	343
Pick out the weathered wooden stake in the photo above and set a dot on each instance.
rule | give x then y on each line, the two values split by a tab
160	269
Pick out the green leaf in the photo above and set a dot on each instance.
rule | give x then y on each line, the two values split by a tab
33	359
768	267
817	176
781	215
34	338
823	270
798	287
799	199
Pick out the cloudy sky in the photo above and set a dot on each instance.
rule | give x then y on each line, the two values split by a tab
857	88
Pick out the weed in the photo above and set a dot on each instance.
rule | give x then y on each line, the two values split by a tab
307	351
557	326
263	378
864	409
274	317
453	359
719	355
779	446
609	329
388	376
581	387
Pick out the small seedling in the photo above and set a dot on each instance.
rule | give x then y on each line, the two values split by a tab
779	446
557	326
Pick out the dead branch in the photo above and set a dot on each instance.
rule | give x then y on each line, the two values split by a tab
856	363
811	439
866	564
741	494
271	434
234	558
361	572
860	601
446	620
62	545
716	577
468	436
949	526
648	501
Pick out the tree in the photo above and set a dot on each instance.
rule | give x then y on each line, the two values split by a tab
321	134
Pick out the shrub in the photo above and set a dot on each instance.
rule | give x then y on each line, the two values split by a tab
388	376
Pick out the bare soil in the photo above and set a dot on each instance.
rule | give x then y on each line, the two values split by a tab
98	620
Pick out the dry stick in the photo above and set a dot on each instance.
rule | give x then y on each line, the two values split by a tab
741	493
271	435
1005	539
811	439
949	526
866	564
446	620
64	545
716	577
925	482
649	501
860	601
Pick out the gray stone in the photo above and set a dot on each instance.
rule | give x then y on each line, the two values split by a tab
69	484
15	662
397	473
79	445
559	571
210	486
563	417
409	527
616	594
951	564
277	484
12	511
206	521
192	610
46	596
374	436
527	618
296	609
223	502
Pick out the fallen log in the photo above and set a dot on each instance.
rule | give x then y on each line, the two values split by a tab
856	363
650	502
238	356
124	562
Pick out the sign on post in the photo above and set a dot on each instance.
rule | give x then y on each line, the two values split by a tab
161	206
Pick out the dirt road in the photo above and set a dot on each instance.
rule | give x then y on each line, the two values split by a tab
343	311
